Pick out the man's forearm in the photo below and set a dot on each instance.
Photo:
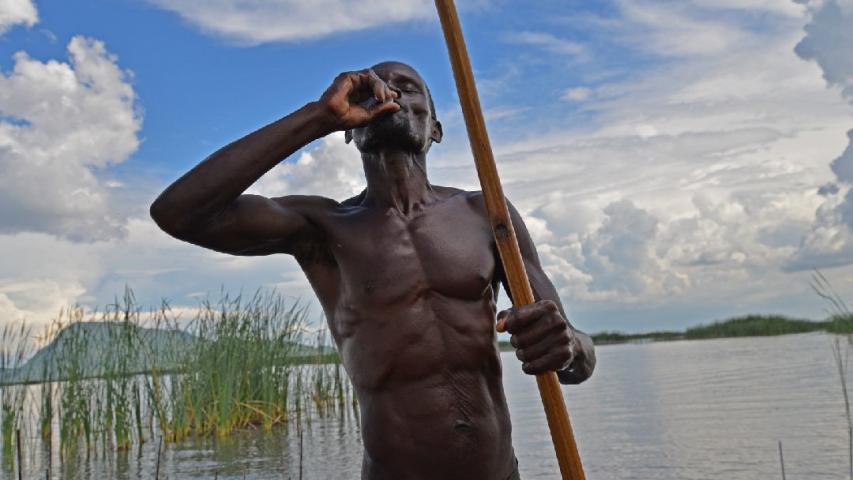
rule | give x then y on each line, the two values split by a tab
583	364
214	183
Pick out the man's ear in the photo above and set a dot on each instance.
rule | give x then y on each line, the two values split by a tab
437	132
347	136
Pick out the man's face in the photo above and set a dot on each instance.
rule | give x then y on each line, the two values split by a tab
410	128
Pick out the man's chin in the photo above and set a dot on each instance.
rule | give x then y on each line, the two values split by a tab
388	134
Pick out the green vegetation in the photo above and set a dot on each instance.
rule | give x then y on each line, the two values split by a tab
106	381
605	338
753	326
745	326
767	325
610	338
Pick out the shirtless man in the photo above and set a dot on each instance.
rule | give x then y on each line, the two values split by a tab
407	273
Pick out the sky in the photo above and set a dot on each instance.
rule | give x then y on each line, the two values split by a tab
676	162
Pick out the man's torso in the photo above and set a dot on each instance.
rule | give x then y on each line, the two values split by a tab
410	301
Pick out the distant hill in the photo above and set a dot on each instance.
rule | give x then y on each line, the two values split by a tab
768	325
97	349
745	326
91	349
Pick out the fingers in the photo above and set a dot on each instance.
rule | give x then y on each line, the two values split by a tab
518	318
535	350
541	336
376	86
379	87
545	363
539	333
382	93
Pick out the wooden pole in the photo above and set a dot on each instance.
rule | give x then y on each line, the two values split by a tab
522	294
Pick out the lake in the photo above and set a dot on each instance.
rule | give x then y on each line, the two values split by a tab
684	410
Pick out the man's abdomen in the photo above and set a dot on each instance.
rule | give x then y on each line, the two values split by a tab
428	378
447	426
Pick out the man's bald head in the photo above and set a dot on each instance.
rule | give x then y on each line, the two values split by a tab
414	126
393	65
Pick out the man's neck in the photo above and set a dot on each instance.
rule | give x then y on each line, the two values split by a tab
396	179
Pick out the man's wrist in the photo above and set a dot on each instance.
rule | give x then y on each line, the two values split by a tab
320	118
583	362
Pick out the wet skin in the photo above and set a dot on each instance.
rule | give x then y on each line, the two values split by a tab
407	273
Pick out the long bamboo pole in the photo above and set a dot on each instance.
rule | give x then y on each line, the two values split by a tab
519	286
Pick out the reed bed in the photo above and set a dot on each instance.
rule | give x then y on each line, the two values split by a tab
120	377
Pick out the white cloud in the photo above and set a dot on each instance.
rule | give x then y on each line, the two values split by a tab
843	165
692	182
619	256
262	21
829	37
577	94
332	169
675	29
17	12
48	273
780	7
828	42
59	124
549	42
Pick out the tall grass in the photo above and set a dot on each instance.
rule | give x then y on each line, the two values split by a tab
842	318
14	349
116	378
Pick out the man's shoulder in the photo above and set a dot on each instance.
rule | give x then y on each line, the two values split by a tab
473	199
471	196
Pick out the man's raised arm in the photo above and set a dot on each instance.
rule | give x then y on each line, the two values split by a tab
207	206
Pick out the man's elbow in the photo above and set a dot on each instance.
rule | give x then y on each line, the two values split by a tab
167	218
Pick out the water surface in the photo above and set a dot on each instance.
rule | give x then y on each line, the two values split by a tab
685	410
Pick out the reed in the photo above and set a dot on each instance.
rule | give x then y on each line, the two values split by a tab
841	318
111	379
14	349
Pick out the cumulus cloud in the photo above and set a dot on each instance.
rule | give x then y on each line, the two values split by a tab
17	12
691	182
60	124
619	256
332	169
694	183
843	165
49	272
829	36
828	42
262	21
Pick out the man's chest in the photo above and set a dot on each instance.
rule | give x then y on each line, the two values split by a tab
385	258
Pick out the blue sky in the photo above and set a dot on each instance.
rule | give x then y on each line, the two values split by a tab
666	156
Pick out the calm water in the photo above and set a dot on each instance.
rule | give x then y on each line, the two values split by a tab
710	409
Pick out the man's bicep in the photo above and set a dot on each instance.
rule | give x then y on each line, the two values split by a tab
256	225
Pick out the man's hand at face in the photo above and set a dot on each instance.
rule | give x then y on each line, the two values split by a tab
356	98
542	338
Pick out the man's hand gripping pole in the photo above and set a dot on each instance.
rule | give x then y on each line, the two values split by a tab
522	294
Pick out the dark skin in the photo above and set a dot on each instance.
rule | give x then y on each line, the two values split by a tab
407	273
